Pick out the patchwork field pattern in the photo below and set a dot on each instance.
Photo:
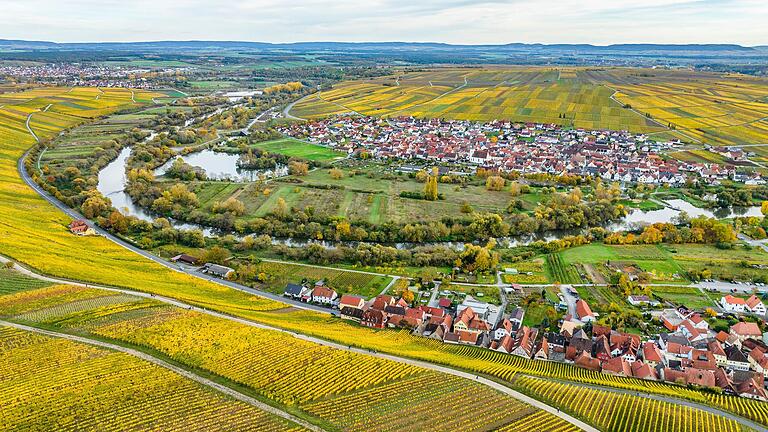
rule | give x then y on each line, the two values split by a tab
694	106
624	412
344	389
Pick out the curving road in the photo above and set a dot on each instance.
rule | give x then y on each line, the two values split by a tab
504	389
192	272
287	110
493	384
183	372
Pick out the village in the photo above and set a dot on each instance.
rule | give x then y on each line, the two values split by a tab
687	352
515	147
87	75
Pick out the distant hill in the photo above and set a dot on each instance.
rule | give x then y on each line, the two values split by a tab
372	46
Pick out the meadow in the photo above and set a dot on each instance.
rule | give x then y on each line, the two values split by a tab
299	149
698	107
368	193
344	282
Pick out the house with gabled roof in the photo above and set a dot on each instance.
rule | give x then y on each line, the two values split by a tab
348	300
584	312
743	330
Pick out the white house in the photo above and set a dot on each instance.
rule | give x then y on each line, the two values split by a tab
755	305
323	295
730	303
638	300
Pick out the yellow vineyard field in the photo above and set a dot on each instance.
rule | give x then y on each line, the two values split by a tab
694	106
347	390
55	384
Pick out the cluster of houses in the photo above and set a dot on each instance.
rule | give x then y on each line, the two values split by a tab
318	293
751	305
687	353
86	74
507	146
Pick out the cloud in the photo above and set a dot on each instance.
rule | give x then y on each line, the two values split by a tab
453	21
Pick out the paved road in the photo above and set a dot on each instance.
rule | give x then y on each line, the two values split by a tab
34	135
173	302
192	272
183	372
570	299
247	128
431	366
763	244
389	285
287	110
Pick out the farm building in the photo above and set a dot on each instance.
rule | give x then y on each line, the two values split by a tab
184	258
217	270
81	228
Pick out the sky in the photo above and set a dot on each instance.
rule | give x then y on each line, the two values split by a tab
599	22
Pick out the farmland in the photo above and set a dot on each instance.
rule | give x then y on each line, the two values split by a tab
623	412
279	274
11	281
498	365
55	384
35	233
365	194
331	386
697	107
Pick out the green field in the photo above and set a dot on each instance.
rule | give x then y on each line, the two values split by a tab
12	281
300	149
344	282
368	193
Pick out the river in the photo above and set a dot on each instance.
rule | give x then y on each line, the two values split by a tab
223	166
113	179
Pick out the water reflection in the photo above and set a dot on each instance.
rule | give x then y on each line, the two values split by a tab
223	166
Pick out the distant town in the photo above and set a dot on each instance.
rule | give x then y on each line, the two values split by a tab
520	147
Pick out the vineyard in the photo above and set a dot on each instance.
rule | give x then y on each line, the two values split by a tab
535	268
343	388
516	93
461	405
35	232
55	384
697	107
561	271
279	274
623	412
11	281
498	365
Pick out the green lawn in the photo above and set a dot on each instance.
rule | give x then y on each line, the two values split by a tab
299	149
690	297
279	274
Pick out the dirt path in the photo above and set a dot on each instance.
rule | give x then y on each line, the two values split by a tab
493	384
594	275
183	372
